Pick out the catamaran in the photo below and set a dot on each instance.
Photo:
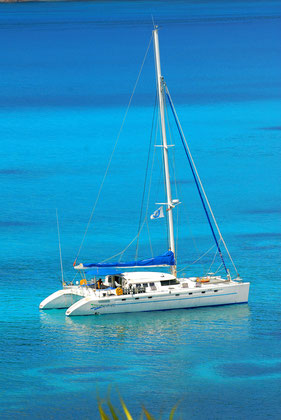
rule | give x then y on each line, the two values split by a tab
124	290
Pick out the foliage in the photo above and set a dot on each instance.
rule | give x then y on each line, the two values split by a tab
105	406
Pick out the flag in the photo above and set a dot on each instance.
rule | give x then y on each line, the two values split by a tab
157	214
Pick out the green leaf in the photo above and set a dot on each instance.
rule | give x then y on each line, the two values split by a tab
148	416
171	416
103	415
111	408
126	411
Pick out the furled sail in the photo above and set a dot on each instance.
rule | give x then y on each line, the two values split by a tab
166	259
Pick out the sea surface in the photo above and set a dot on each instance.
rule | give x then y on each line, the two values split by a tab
67	72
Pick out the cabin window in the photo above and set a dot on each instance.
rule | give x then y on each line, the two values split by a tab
190	293
151	284
123	299
115	280
169	282
203	292
145	284
118	280
149	297
215	290
177	294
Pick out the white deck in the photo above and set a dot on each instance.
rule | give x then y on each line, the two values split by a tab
187	294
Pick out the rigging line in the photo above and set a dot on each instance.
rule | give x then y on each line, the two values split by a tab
205	195
178	193
150	243
159	173
172	159
146	172
76	274
216	253
152	166
165	185
128	246
177	237
177	190
193	168
61	267
218	269
174	172
145	218
112	153
150	181
188	224
198	259
125	249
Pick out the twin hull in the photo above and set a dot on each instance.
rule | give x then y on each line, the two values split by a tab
223	295
61	299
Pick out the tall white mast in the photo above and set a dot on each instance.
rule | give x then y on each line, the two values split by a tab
160	87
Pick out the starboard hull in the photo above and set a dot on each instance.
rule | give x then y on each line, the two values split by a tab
223	295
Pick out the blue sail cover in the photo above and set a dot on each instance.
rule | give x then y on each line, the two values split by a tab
166	259
102	271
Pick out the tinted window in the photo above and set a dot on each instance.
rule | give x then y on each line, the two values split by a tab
169	282
145	284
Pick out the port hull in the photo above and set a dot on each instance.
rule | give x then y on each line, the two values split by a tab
61	299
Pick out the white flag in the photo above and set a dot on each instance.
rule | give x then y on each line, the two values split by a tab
157	214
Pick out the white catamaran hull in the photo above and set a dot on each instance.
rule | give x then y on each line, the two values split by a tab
61	299
197	297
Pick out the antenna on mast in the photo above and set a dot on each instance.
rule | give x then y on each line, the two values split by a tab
61	267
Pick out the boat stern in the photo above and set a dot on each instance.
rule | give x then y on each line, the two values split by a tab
60	300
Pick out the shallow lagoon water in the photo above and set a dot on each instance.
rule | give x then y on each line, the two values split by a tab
67	72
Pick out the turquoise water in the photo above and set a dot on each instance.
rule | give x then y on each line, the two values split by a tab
67	73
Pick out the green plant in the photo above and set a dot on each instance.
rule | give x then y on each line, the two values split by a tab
105	406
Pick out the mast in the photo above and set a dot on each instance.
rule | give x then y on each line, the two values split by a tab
160	88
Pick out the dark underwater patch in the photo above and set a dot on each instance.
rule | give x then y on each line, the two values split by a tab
78	370
272	128
183	181
261	248
11	171
165	21
23	173
92	379
247	370
152	351
261	235
272	210
263	241
14	223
